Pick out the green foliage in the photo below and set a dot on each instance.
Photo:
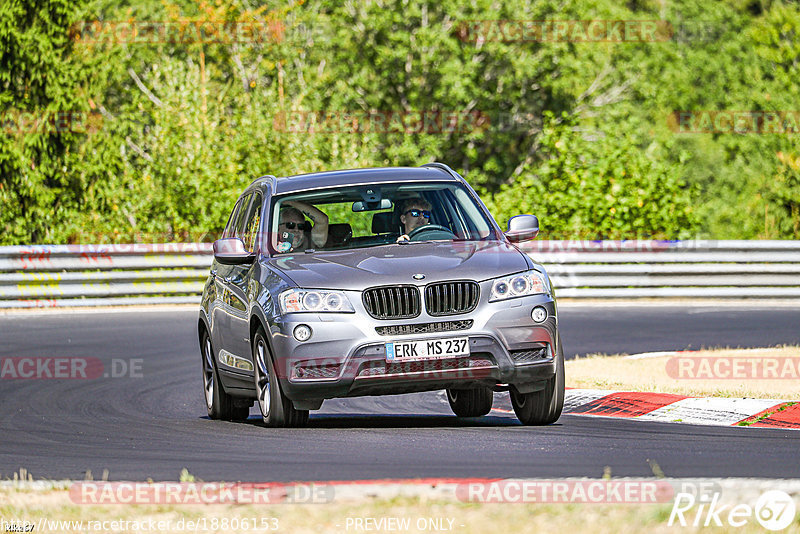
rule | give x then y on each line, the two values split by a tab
38	81
577	133
785	194
599	185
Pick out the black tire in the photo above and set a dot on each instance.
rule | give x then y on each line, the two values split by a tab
470	402
542	407
219	404
276	409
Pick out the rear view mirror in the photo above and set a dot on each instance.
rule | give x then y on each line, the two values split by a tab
522	228
383	204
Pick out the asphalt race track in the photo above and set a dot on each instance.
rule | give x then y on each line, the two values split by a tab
153	424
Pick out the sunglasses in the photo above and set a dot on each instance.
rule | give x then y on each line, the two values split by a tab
417	213
291	225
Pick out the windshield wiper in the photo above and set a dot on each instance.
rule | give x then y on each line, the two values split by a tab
423	241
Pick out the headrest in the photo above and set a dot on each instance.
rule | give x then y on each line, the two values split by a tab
382	223
339	232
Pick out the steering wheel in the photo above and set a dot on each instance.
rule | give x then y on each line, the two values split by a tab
427	228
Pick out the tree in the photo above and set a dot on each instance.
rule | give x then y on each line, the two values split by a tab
40	108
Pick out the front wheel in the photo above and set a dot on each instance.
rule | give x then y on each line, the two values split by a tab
542	407
219	404
470	402
276	409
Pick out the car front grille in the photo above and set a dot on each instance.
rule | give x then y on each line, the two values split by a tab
392	302
451	298
424	328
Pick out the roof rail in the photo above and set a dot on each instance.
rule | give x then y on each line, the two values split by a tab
262	177
442	166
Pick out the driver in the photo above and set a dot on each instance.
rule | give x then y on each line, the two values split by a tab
415	212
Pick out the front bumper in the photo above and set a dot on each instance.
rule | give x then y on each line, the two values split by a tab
346	356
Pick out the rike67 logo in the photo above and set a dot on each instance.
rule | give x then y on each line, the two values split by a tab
774	510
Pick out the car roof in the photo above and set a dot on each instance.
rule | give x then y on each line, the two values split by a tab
316	180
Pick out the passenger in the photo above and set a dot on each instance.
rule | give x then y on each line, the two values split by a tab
301	235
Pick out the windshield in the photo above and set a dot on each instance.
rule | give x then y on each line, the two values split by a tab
374	215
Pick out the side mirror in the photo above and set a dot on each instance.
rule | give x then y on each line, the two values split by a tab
231	251
522	228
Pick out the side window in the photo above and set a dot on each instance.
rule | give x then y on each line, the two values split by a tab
238	227
476	222
228	232
250	235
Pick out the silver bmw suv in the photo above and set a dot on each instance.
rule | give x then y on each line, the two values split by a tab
376	282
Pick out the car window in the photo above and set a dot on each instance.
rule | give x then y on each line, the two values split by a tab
228	232
471	214
238	226
252	222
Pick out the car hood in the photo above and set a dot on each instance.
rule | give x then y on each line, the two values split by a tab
358	269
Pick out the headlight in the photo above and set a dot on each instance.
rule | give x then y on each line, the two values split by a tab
314	300
518	285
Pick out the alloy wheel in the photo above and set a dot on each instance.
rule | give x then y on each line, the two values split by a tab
262	378
208	372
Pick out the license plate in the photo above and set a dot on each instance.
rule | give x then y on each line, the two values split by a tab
428	349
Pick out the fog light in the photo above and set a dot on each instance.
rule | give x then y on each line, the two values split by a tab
302	332
538	314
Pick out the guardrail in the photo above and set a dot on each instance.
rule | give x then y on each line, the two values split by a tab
95	275
658	269
92	275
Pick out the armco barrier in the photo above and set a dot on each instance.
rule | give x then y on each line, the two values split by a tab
92	275
656	269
